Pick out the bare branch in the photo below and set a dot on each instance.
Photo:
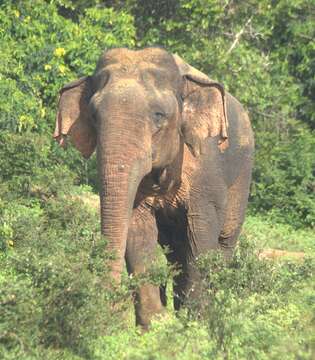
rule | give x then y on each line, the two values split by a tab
238	36
271	116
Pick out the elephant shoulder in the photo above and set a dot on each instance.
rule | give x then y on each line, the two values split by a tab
241	141
240	129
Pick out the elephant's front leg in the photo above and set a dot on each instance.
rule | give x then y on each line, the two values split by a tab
140	252
205	216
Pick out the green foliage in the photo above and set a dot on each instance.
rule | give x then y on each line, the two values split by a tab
64	51
251	308
31	165
56	300
242	44
55	283
258	229
284	181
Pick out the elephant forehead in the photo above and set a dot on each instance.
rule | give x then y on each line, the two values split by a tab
133	58
127	87
140	69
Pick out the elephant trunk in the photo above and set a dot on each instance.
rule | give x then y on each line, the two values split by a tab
123	162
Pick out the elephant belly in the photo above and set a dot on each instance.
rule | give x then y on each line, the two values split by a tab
171	216
172	227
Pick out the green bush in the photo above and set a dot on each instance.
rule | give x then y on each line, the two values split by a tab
59	294
56	299
20	317
246	303
250	308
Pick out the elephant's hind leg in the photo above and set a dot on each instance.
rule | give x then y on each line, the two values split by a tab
235	211
173	241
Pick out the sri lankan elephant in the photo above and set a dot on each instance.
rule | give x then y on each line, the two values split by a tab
174	154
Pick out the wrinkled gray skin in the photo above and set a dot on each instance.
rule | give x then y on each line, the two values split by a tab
174	154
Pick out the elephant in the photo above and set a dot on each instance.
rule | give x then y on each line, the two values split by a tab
174	153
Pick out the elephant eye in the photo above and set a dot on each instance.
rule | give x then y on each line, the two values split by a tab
94	118
100	80
159	119
92	112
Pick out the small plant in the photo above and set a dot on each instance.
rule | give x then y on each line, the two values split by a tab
237	293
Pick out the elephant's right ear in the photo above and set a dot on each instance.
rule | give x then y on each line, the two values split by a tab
73	118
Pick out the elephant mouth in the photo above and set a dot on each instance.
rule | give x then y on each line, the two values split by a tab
156	183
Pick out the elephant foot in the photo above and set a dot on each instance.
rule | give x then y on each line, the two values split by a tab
147	305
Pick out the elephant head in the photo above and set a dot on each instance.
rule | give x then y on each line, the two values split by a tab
138	109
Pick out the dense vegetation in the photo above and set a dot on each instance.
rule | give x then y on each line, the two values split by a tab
55	297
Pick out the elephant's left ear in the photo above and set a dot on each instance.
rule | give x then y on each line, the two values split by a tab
73	117
204	108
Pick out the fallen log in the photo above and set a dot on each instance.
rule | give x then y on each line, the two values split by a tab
275	254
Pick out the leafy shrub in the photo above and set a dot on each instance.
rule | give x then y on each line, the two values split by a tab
56	300
250	308
60	286
20	315
248	296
